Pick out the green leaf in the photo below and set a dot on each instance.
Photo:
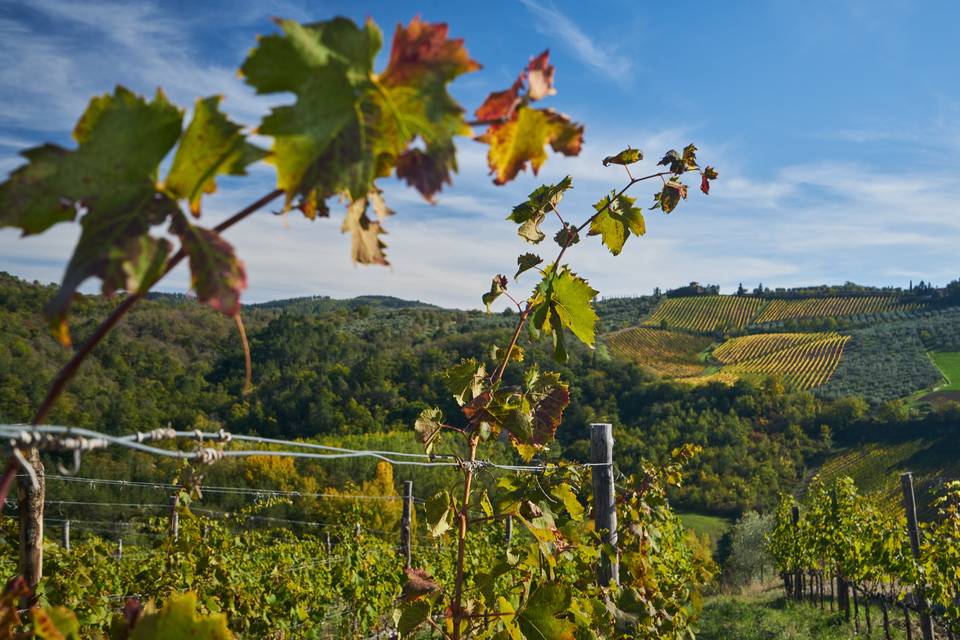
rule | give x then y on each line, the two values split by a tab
465	380
485	505
215	272
566	495
497	287
178	619
530	213
439	514
521	141
210	146
428	427
137	265
571	300
526	262
349	126
616	220
413	614
563	301
121	139
55	623
625	157
539	616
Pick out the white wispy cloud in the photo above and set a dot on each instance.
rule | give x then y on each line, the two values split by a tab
601	57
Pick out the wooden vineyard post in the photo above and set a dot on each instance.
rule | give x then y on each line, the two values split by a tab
508	530
604	501
329	546
119	549
30	512
798	574
174	518
910	504
65	537
405	522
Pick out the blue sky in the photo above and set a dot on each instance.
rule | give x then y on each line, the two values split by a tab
835	127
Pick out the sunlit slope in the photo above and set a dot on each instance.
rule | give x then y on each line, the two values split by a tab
705	314
668	353
833	307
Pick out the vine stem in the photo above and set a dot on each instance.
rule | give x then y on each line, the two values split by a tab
456	610
462	539
70	369
525	314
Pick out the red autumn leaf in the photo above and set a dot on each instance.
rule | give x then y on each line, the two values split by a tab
704	184
419	583
500	105
427	171
422	48
217	275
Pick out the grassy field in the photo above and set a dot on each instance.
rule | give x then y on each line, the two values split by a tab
949	364
769	616
713	526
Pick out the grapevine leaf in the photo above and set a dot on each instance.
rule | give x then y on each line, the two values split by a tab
366	245
530	213
571	300
563	301
526	262
539	618
423	61
348	126
215	272
708	174
520	425
672	161
419	583
55	623
178	619
567	236
540	77
428	426
439	514
500	105
549	397
497	287
522	139
616	220
625	157
211	145
485	505
121	139
570	502
465	380
427	171
137	265
412	615
668	198
689	158
108	245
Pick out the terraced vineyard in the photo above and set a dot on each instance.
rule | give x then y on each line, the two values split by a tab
875	468
755	346
705	314
779	310
667	353
807	365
